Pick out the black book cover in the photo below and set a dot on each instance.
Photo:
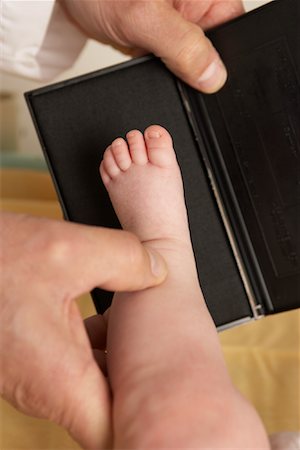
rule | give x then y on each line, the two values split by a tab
238	151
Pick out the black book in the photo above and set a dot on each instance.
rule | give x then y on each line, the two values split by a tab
239	153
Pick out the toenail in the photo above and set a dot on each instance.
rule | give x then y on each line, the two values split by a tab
153	134
131	133
118	142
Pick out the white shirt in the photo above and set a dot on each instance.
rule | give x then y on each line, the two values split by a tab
37	39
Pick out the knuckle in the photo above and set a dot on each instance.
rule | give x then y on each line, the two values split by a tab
137	19
57	249
136	8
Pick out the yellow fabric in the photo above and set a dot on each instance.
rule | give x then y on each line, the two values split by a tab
263	360
262	357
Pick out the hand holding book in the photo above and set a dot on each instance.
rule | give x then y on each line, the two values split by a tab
172	30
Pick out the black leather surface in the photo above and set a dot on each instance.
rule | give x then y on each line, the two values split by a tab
256	123
78	119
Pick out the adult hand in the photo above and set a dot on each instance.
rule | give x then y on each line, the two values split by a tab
47	365
171	29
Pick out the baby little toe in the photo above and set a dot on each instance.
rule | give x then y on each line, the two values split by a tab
109	163
104	175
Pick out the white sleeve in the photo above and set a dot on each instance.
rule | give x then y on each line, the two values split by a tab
37	39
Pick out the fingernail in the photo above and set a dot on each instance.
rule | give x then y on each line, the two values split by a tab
158	265
213	78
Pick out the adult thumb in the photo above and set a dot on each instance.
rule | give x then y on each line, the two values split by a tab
182	46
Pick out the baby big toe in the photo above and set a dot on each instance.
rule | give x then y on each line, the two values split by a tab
159	146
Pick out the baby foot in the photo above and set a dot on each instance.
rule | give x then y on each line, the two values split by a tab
166	370
145	186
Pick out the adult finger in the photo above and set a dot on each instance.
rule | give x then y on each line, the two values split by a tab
112	259
76	258
220	12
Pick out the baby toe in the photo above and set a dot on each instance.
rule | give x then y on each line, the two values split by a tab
159	146
137	147
121	153
109	163
104	175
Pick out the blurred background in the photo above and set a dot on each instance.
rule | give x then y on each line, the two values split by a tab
262	357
